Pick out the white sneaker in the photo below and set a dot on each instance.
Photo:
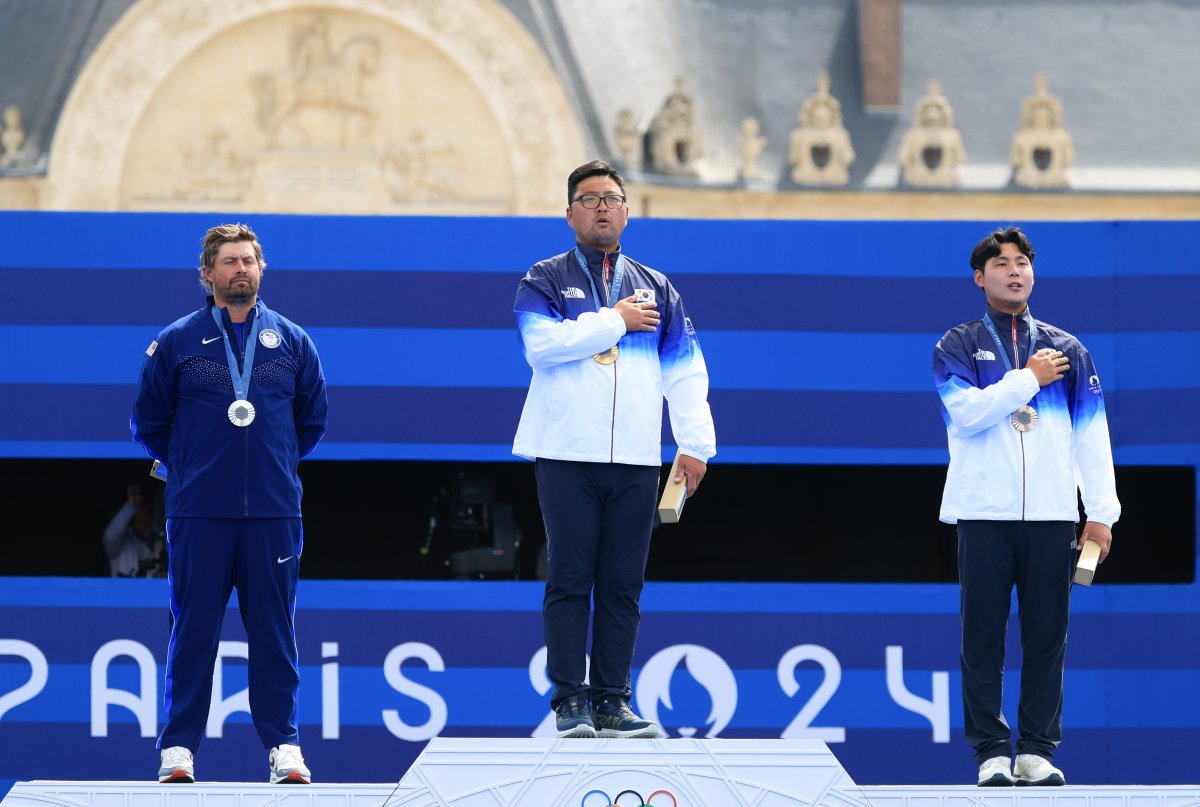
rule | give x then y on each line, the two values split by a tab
176	765
287	766
994	772
1035	771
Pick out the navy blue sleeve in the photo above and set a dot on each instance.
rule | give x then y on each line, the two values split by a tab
311	406
154	404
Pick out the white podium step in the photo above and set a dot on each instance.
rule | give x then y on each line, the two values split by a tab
597	773
496	772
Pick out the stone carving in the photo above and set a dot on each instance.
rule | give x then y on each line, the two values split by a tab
820	151
629	140
1042	150
319	99
13	136
750	145
214	169
932	149
417	170
470	74
673	142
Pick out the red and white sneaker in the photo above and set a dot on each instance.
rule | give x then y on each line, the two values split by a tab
287	766
176	766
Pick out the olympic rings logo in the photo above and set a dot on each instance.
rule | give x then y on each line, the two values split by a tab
633	794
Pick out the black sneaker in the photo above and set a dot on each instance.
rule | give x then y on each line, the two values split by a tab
574	719
614	718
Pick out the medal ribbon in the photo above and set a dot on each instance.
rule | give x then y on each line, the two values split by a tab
991	328
616	281
241	380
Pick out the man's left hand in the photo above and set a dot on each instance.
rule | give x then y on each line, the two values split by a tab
1095	531
692	470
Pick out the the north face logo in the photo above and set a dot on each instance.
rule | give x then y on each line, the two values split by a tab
984	355
573	293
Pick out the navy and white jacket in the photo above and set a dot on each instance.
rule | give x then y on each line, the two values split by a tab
578	409
1000	474
215	469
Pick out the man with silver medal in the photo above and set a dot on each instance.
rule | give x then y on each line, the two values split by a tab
1027	433
607	339
230	398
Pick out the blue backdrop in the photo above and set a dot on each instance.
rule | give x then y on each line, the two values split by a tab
818	337
871	669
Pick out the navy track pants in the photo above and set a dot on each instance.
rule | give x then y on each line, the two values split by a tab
1039	559
207	559
598	520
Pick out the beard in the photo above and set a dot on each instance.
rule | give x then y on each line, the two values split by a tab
237	292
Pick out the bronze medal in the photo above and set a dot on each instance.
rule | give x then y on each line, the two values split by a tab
607	357
1024	419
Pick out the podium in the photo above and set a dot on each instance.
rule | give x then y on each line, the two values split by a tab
577	772
499	772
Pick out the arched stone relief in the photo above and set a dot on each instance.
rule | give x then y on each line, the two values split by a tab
405	106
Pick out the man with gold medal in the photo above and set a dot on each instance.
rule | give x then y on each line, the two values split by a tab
607	339
229	400
1027	433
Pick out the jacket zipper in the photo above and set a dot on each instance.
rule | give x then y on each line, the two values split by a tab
1020	434
246	436
612	427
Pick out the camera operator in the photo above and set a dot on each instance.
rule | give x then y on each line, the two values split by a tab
130	541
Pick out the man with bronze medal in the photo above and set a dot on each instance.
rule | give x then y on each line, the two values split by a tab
607	339
1027	434
230	398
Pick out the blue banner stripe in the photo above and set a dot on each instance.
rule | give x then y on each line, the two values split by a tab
1132	248
510	639
513	596
387	243
397	357
1160	698
825	420
872	757
472	300
1178	454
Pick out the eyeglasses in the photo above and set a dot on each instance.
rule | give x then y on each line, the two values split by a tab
592	201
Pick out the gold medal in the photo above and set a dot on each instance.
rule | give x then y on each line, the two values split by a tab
607	357
1024	419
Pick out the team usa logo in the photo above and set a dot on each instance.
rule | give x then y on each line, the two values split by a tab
629	798
269	338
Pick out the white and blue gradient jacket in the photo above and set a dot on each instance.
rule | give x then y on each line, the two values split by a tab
578	409
1000	474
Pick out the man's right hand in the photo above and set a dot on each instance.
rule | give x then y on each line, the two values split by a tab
1048	365
637	316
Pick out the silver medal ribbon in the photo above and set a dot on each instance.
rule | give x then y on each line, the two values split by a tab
241	412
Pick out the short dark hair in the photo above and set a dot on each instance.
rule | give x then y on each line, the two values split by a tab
989	247
596	168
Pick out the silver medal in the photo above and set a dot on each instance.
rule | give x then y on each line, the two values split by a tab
241	413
